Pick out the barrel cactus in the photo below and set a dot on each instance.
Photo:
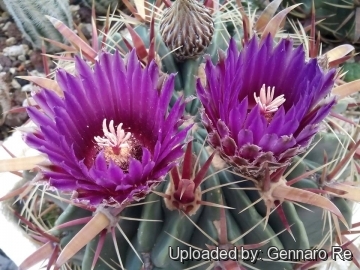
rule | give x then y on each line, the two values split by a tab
338	20
221	155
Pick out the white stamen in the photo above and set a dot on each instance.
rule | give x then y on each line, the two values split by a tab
112	138
266	102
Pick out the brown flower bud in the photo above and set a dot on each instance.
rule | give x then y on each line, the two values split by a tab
187	27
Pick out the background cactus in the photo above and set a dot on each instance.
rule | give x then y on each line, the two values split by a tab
204	202
353	71
339	19
30	19
101	6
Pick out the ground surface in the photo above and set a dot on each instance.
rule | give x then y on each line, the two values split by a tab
19	58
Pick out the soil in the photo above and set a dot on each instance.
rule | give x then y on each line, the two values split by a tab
19	58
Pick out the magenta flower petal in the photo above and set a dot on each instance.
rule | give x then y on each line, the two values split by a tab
141	140
245	123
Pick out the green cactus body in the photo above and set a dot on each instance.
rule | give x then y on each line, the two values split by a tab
30	19
352	71
152	239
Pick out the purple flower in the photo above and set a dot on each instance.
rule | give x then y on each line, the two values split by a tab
110	138
263	105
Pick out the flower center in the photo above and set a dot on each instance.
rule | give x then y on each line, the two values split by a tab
268	105
118	145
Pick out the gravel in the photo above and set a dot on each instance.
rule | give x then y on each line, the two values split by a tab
19	58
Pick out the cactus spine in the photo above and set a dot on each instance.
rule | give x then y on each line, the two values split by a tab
101	6
338	18
30	18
